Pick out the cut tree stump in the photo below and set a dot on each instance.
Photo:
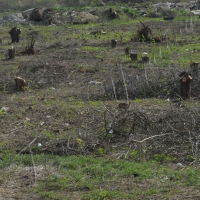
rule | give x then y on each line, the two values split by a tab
20	83
145	59
14	33
185	79
11	53
134	56
113	43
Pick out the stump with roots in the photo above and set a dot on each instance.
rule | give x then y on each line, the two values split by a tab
44	15
144	33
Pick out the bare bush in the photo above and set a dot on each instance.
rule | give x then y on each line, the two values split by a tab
148	83
174	131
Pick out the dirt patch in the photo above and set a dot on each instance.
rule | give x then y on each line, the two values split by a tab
20	185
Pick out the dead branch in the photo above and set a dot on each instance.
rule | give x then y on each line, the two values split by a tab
140	141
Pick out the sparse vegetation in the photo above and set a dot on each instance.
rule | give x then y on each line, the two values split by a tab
90	122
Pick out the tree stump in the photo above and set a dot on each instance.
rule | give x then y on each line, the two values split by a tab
113	43
14	33
11	53
145	59
133	56
113	14
185	79
20	83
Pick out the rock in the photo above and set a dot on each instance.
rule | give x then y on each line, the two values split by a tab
13	18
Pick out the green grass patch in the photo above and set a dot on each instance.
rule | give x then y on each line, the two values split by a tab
89	173
103	178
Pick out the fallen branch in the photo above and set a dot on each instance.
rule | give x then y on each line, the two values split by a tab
20	153
150	137
33	163
25	148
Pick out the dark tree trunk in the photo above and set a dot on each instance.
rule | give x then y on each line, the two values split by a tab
11	53
185	79
113	43
15	32
145	59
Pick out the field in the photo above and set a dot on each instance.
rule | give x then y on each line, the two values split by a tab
65	136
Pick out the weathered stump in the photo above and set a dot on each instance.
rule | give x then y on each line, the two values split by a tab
185	79
145	59
133	56
11	53
113	43
20	83
14	33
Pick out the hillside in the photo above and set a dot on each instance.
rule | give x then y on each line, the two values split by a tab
110	108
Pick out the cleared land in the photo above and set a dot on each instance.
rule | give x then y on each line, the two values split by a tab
64	137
